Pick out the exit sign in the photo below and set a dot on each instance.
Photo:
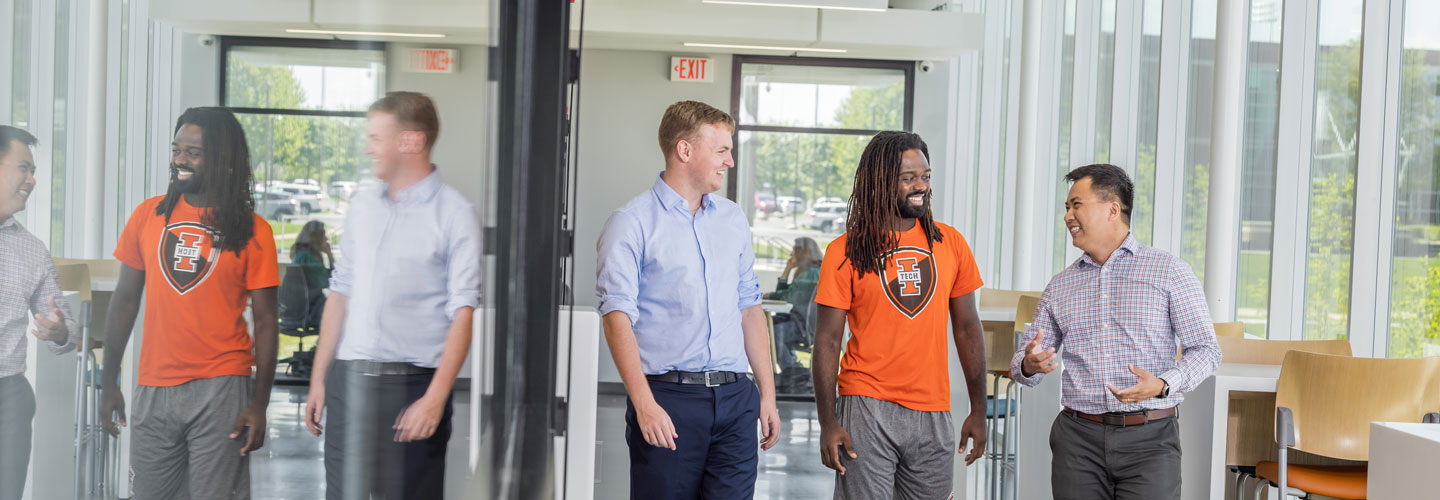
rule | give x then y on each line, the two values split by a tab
431	61
692	69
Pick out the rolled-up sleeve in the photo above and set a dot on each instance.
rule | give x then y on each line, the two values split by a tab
1190	319
40	304
1048	330
464	268
749	287
342	279
620	252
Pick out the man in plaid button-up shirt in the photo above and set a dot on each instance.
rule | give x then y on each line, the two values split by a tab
1119	311
29	292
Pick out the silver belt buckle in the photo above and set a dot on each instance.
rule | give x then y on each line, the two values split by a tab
708	382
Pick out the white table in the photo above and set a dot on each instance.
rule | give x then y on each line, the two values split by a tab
1204	426
1402	461
1000	314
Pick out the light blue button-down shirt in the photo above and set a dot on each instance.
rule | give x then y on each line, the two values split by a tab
682	279
406	266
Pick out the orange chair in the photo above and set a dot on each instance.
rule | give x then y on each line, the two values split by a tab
1324	405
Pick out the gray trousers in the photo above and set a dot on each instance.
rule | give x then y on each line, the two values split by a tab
180	446
900	453
1092	461
17	411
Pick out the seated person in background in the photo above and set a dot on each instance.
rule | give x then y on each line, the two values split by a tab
805	263
309	246
794	330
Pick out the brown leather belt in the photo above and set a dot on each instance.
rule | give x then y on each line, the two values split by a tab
1127	419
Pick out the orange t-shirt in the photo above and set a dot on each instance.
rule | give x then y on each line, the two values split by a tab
195	294
899	325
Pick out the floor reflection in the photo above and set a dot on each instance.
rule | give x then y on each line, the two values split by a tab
291	465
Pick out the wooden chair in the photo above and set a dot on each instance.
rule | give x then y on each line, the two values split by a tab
1233	329
1025	310
995	298
1324	405
74	278
1272	352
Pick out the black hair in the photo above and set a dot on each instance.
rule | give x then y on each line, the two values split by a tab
10	134
868	231
227	177
1110	182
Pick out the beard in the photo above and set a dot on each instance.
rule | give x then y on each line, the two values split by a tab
193	185
909	211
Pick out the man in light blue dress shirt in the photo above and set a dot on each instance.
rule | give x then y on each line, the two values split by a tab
397	323
681	306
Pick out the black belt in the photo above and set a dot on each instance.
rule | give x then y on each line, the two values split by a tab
707	379
382	368
1126	419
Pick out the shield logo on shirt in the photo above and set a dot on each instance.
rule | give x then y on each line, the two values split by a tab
187	255
909	279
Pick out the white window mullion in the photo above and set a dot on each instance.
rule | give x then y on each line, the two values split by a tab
1289	245
989	174
1125	104
1170	164
7	60
1005	232
41	109
113	189
1375	187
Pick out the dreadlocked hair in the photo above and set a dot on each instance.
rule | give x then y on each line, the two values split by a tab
869	237
226	176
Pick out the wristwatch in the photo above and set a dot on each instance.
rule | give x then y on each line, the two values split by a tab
1164	393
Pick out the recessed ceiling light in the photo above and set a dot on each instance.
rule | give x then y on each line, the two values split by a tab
798	6
366	33
763	47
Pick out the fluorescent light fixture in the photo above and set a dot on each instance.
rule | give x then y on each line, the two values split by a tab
794	5
763	47
366	33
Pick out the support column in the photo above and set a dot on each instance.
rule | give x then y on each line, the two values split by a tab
94	168
1223	231
1027	273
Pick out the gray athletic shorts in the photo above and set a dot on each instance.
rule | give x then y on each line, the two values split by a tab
180	446
902	453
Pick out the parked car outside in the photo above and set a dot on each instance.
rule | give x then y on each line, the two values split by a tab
765	204
342	190
309	197
823	217
788	205
275	206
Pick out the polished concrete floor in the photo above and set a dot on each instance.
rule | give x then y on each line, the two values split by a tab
291	465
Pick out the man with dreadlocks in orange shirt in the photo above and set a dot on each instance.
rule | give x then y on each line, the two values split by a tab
890	435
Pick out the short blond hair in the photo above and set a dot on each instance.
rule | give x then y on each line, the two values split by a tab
682	121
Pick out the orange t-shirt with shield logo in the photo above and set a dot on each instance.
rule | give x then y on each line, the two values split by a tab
899	318
195	293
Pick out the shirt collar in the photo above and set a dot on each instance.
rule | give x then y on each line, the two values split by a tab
670	199
9	222
420	191
1130	246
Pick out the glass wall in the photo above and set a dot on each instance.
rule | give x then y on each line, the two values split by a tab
1332	169
1415	258
801	131
1142	220
1060	239
1196	168
1257	197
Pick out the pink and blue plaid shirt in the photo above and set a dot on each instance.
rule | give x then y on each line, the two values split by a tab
1134	310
